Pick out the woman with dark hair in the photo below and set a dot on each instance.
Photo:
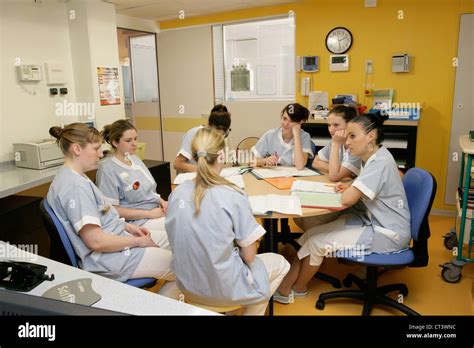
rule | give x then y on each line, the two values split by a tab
287	145
384	228
219	119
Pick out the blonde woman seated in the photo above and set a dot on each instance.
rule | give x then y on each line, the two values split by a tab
214	235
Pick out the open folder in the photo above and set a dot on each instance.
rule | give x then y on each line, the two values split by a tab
281	183
263	205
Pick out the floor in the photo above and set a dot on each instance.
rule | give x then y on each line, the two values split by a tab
428	294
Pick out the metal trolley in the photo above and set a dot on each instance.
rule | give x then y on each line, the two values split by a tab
452	271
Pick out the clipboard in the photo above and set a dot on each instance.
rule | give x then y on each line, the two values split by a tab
283	183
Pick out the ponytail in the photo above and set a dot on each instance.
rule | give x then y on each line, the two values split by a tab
207	148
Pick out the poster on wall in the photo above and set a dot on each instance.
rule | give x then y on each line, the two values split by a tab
109	89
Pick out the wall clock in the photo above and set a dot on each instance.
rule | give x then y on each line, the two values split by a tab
339	40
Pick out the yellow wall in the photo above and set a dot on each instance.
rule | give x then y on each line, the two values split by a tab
428	31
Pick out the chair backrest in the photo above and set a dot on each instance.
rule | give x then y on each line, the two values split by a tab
60	245
247	143
420	188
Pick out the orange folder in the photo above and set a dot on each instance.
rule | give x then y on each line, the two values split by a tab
283	183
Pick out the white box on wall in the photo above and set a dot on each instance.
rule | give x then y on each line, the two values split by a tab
55	73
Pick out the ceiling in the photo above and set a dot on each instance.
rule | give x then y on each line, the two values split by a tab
162	10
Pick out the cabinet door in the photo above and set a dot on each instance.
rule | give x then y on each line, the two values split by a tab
463	108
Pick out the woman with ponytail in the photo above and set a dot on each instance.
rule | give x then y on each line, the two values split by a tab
383	228
214	236
126	181
103	242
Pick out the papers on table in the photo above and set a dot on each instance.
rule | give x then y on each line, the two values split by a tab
228	173
316	194
311	186
277	172
262	205
319	200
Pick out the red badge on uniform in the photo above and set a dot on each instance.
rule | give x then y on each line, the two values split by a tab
136	185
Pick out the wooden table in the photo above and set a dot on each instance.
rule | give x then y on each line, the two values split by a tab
254	187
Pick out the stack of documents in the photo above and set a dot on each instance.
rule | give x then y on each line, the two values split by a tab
316	195
278	172
228	173
262	205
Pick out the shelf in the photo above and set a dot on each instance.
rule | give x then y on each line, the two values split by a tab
395	144
320	141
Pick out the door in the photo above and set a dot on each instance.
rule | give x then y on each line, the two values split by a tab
186	83
463	107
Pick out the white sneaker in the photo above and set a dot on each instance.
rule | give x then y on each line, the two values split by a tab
277	297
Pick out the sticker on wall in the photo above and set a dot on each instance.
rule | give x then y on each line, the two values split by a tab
109	88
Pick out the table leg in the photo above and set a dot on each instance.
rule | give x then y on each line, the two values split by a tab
270	245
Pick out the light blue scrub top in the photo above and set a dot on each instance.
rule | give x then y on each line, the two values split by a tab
186	148
76	201
206	261
272	143
128	186
348	161
387	218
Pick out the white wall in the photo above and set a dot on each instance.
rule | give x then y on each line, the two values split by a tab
34	34
133	23
38	33
102	29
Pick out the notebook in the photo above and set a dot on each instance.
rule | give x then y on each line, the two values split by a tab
262	205
281	183
319	200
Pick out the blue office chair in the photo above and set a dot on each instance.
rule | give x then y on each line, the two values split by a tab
420	188
61	247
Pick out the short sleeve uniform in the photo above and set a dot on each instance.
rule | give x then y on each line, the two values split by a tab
348	161
206	260
186	149
386	202
272	143
128	186
76	201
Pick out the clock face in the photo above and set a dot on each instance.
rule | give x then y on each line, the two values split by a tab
339	40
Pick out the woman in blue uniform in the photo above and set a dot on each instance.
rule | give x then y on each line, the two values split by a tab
214	236
103	242
125	180
287	145
384	228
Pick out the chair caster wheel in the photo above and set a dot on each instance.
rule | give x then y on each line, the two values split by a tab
320	305
450	240
451	273
347	282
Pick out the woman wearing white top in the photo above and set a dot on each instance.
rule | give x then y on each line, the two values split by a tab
128	184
